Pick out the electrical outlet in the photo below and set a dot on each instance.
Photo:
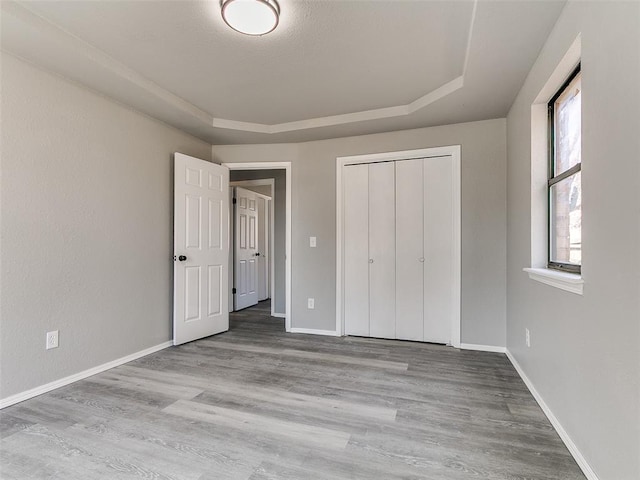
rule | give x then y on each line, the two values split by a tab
311	303
527	337
52	340
312	242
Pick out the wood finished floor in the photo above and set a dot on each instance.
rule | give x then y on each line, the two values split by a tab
257	404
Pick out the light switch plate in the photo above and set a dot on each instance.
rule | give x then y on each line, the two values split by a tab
312	242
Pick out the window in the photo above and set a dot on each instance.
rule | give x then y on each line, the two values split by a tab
564	181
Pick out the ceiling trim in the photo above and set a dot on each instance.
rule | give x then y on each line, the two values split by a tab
470	36
80	46
21	11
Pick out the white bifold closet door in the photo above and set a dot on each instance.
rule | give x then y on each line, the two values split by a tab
382	246
398	241
438	228
370	244
409	205
356	247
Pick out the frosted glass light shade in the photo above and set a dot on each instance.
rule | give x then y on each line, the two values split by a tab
251	17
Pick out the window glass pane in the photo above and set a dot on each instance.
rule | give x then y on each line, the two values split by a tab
567	127
566	221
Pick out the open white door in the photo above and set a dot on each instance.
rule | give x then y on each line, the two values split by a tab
245	249
201	249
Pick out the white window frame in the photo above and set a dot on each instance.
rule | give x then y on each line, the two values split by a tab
555	178
538	269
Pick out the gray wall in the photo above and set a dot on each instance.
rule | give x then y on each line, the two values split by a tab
261	189
314	214
584	358
86	227
280	227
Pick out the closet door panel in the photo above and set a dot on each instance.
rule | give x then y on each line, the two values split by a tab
382	250
356	249
438	249
409	251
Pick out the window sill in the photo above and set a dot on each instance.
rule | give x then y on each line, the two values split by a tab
570	282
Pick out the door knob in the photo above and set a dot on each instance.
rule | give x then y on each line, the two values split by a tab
371	260
182	258
421	259
257	254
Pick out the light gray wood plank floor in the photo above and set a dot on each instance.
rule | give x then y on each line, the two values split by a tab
256	403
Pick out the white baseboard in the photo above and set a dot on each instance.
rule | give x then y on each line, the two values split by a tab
573	449
482	348
313	331
279	315
34	392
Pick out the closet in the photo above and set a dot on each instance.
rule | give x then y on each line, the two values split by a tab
401	249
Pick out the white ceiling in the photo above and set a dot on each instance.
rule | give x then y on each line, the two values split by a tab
332	68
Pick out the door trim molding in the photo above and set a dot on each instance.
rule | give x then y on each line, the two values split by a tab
454	152
286	166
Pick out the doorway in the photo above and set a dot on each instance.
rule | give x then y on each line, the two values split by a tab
252	243
280	247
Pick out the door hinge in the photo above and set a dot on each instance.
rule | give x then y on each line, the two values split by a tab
235	201
233	290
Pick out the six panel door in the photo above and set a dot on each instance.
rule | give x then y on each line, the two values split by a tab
201	249
246	248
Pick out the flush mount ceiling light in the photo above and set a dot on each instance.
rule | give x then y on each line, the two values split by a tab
251	17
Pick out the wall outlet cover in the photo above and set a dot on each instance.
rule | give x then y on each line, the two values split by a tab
52	340
311	303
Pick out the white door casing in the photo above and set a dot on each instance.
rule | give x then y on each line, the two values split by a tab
263	248
201	249
269	247
245	249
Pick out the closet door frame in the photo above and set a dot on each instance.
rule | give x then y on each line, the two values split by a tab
452	151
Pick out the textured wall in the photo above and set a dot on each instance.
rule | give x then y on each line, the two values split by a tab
87	233
584	358
314	214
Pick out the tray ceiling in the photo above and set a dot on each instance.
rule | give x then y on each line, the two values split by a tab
332	68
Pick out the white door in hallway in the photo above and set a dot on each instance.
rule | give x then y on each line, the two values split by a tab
245	249
201	249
